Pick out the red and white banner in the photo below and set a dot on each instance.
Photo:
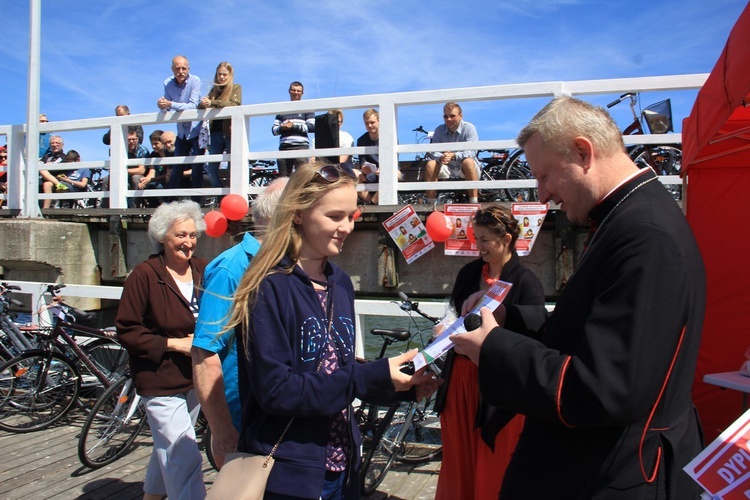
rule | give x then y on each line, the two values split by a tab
723	468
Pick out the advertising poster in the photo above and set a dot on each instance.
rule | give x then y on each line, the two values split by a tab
530	217
458	243
442	344
723	468
409	234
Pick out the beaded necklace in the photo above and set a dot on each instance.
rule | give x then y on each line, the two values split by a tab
486	275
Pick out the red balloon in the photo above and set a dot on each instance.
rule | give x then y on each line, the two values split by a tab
216	223
470	233
234	207
439	227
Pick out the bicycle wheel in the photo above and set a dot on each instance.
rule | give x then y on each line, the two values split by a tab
492	172
37	389
110	358
379	458
112	425
518	168
422	441
665	160
206	445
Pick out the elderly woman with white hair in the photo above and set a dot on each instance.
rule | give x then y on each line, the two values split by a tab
155	323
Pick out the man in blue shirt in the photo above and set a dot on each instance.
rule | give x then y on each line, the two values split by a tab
453	164
182	92
214	355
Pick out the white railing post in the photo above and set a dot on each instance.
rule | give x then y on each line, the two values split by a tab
238	168
118	175
387	142
17	170
31	204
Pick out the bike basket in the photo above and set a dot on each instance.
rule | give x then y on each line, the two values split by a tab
659	117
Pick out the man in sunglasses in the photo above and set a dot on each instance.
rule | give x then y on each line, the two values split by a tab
453	164
606	382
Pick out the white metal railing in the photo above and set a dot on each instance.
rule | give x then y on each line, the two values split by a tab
22	178
362	307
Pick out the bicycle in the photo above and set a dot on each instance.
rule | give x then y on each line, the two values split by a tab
40	386
13	339
112	426
502	164
408	431
262	173
665	159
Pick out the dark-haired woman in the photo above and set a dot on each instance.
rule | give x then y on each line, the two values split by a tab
478	439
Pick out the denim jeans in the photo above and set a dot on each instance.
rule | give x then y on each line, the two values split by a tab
219	145
186	147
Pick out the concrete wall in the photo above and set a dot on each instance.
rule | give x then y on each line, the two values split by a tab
50	251
98	252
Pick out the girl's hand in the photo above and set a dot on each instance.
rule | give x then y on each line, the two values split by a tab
426	382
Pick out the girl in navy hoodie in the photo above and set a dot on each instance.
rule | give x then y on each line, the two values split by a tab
295	313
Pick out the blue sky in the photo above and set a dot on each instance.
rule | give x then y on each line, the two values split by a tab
96	55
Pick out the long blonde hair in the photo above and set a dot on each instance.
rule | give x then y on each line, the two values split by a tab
222	92
282	238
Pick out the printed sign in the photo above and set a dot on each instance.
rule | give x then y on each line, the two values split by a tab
530	217
409	234
442	343
459	243
723	468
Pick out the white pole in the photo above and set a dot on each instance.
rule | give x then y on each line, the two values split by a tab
30	206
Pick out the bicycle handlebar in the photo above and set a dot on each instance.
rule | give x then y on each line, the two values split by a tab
621	98
407	305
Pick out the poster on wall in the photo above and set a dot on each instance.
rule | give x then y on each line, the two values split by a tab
530	217
409	233
459	242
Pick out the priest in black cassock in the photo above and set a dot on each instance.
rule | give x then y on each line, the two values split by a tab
607	389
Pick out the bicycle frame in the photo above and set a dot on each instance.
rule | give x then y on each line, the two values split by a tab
61	312
123	400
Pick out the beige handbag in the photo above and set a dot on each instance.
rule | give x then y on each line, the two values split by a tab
244	475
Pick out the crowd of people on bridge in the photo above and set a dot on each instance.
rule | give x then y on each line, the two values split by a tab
182	91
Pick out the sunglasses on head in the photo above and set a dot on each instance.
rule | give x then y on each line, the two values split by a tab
486	217
332	173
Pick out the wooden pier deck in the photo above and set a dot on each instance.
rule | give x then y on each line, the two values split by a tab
44	465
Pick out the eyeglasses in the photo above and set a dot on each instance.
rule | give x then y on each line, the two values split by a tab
332	173
445	117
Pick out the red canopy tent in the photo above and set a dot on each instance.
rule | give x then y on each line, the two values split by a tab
716	158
